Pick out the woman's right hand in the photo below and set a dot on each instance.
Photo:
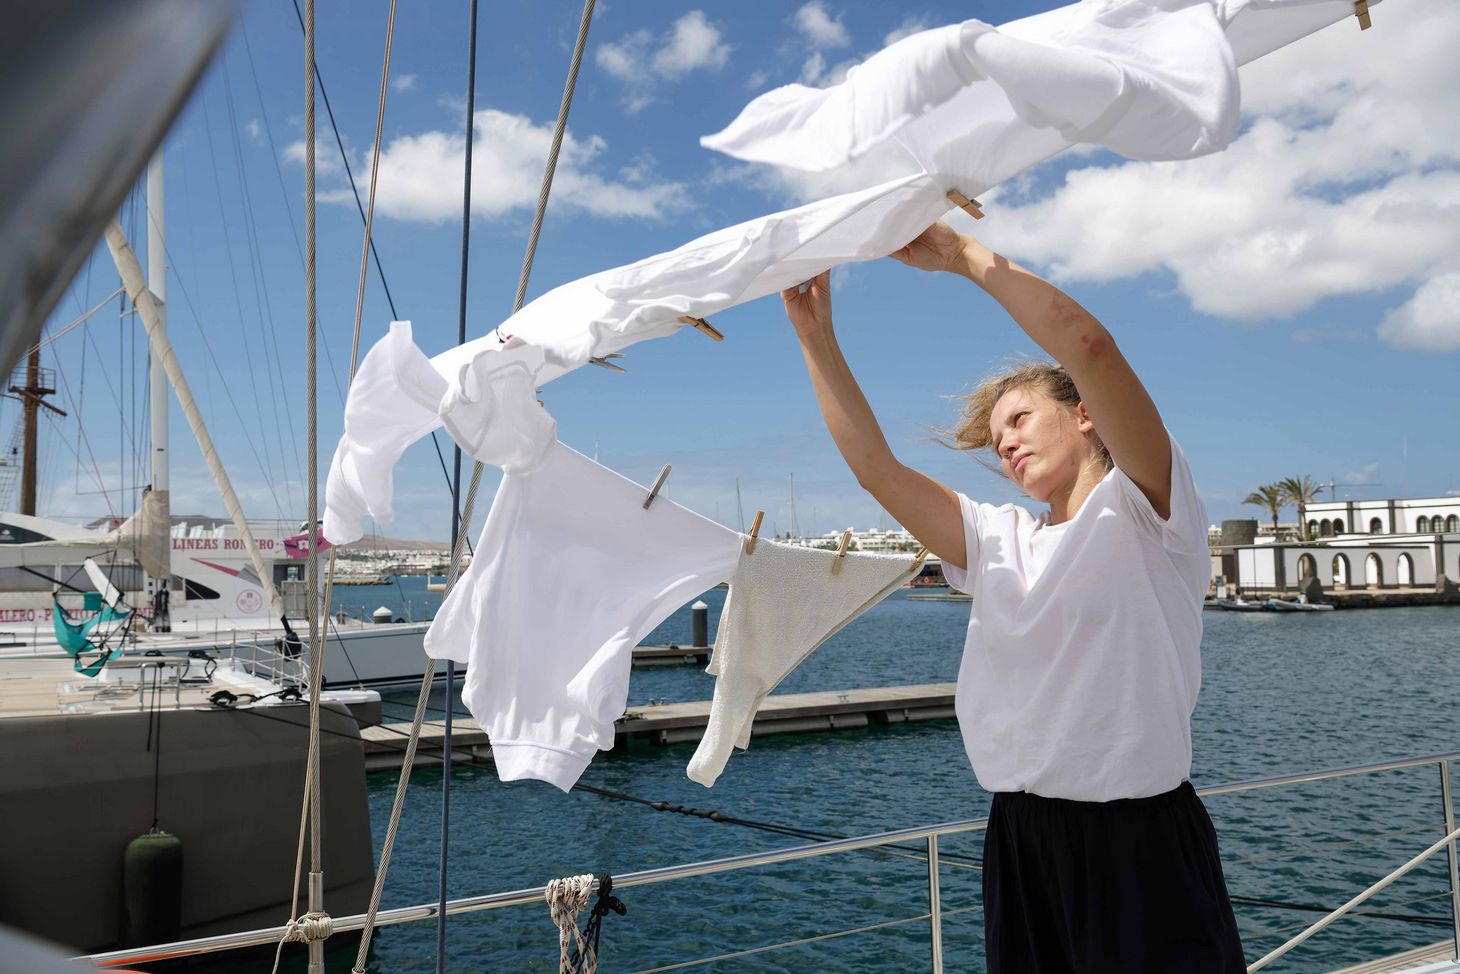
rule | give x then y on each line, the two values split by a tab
937	248
809	305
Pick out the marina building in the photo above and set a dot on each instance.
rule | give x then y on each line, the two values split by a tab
1395	544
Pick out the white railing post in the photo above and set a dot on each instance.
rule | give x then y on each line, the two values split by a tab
935	904
1447	795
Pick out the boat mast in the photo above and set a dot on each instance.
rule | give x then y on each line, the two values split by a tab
157	398
147	308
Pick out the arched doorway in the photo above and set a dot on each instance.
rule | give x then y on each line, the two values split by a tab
1340	571
1452	524
1307	567
1338	525
1376	526
1325	528
1422	525
1406	570
1312	529
1373	572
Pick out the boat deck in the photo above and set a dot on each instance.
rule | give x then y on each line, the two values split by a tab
46	687
1435	959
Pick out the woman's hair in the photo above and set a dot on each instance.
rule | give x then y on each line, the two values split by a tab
972	432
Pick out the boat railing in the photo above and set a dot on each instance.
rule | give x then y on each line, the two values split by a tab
928	836
259	654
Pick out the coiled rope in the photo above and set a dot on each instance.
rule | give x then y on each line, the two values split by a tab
454	569
566	898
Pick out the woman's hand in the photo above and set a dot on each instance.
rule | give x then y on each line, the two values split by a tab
937	248
809	305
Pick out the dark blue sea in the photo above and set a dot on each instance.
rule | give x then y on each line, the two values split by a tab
1282	693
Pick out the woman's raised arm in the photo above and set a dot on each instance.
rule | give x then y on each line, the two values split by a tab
926	508
1123	413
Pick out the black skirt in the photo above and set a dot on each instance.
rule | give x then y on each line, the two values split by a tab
1132	886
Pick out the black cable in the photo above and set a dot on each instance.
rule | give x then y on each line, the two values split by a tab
379	270
1314	908
155	717
815	836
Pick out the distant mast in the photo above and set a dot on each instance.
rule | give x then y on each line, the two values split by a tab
157	387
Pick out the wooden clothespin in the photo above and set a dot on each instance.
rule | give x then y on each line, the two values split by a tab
754	530
703	327
918	561
1361	11
841	551
658	482
973	207
604	363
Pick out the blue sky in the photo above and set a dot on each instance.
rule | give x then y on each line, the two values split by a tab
1292	303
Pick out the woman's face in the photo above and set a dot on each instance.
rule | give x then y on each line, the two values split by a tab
1041	444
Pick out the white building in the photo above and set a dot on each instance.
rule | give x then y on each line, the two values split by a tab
1368	544
1415	515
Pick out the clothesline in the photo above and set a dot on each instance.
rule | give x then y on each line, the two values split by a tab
970	106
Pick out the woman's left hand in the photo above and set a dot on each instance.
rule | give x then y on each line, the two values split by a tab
937	248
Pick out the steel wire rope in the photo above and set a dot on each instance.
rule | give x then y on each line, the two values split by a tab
1327	846
66	329
293	230
86	440
224	225
180	280
1413	918
454	567
355	191
457	529
263	305
314	926
316	672
802	941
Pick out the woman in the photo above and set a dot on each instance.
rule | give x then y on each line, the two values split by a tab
1081	665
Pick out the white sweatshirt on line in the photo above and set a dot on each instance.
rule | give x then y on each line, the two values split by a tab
570	573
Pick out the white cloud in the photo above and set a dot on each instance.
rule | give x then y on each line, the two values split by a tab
403	82
1368	475
326	155
693	43
1346	181
819	27
910	26
1430	320
255	130
420	175
641	60
812	69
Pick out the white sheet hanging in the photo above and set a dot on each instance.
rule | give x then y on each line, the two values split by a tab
1149	79
973	105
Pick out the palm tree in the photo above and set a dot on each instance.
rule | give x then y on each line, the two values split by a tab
1301	491
1272	497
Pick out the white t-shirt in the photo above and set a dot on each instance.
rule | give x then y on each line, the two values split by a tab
1082	661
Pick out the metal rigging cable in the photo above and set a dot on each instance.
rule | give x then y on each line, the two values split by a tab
456	525
454	567
375	255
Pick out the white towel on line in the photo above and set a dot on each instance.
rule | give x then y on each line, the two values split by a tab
783	603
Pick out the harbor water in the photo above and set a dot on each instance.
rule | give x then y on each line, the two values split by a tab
1281	694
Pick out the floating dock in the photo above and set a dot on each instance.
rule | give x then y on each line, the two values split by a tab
672	655
674	723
